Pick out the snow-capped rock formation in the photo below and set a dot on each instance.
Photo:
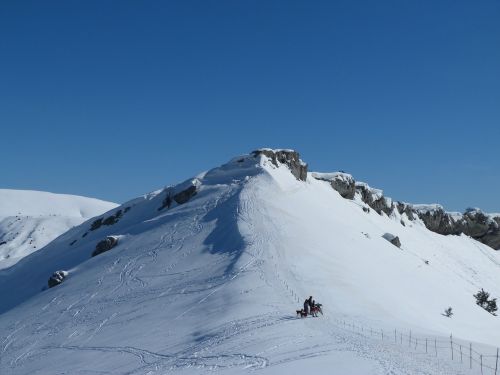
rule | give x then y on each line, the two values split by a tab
474	223
290	158
31	219
211	282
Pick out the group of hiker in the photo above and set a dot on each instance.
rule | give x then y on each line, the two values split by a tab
311	307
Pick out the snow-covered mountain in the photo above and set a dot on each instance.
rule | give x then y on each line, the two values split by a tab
206	276
31	219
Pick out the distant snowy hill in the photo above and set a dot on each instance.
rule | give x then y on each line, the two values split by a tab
31	219
206	277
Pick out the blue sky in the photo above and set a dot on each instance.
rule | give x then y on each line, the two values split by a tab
113	99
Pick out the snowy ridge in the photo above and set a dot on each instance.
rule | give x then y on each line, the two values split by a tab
209	281
31	219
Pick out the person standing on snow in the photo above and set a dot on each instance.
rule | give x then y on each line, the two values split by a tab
306	307
310	302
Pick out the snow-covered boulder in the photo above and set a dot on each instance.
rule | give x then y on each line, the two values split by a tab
105	245
57	278
392	239
342	182
290	158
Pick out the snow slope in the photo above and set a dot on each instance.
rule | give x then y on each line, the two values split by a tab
31	219
212	285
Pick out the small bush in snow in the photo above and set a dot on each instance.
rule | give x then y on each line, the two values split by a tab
482	299
448	312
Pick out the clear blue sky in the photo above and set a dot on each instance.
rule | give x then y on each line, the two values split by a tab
113	99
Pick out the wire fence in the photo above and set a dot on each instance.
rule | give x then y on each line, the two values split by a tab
454	349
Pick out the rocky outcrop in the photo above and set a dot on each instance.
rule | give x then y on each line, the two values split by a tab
110	220
405	208
343	183
474	223
57	278
180	194
437	220
374	198
105	245
289	158
392	239
185	195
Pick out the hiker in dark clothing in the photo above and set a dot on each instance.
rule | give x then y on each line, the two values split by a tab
310	302
306	307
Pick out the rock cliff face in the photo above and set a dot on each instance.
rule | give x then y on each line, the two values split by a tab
341	182
288	157
105	245
474	223
375	198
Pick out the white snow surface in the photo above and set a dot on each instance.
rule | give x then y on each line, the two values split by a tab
212	286
31	219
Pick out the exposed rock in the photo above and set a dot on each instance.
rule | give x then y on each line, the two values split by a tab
480	226
288	157
343	183
72	243
392	239
57	278
3	243
476	223
113	219
180	194
96	224
437	220
185	195
374	198
110	220
105	245
404	208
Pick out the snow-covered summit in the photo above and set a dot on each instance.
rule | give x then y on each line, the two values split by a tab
31	219
207	275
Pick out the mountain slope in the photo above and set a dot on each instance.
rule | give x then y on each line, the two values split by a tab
31	219
206	275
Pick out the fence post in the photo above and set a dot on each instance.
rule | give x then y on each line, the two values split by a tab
461	354
496	364
395	338
426	345
416	343
470	355
382	332
481	358
451	346
401	338
409	339
435	347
